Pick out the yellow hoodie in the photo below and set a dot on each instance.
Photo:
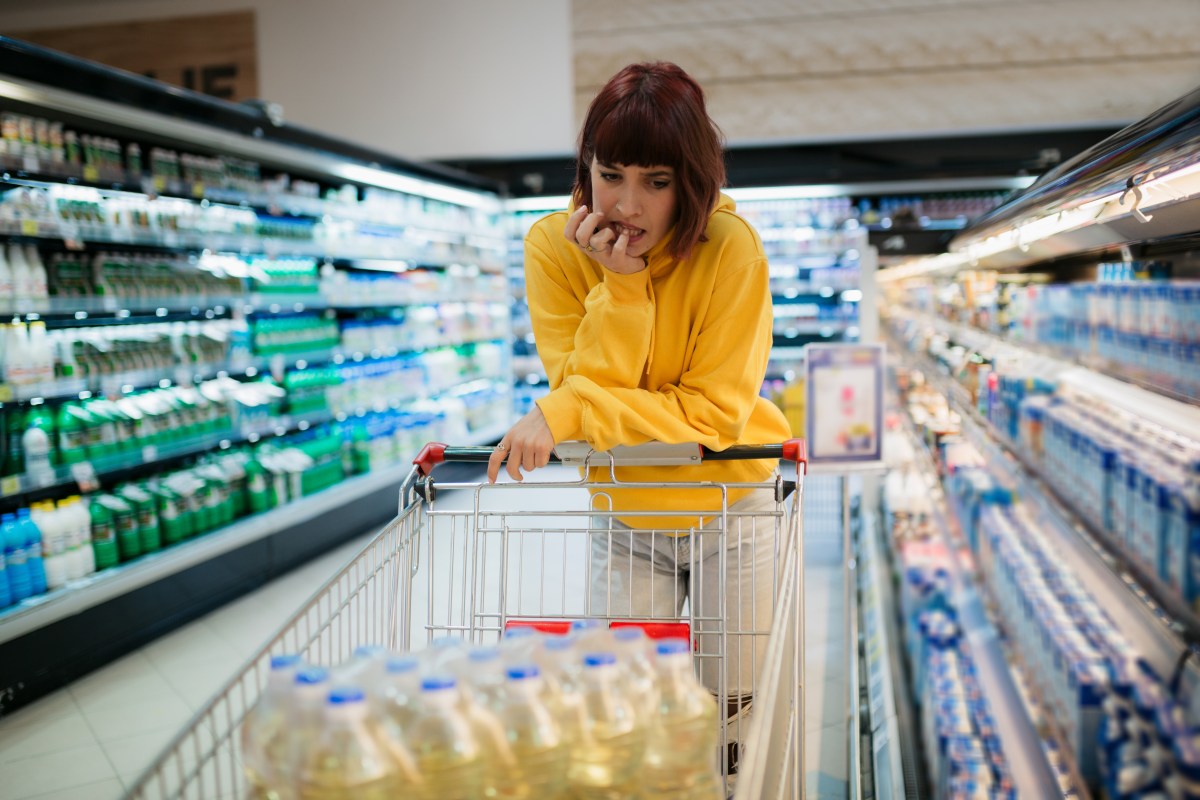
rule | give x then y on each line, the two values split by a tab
674	353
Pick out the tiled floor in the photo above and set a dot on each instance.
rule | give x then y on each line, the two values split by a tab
93	739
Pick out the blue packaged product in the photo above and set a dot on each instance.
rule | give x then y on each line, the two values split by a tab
1186	751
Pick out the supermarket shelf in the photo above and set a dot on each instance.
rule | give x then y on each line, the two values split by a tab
891	713
1158	623
414	253
1116	390
79	595
1018	733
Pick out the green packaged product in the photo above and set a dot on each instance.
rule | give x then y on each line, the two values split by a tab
129	543
71	434
170	513
258	496
104	534
145	508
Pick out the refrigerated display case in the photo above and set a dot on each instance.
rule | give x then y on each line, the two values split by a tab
1055	337
228	336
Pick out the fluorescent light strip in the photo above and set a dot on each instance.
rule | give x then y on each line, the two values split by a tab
410	185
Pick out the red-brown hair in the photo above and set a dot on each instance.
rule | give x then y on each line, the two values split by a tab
653	114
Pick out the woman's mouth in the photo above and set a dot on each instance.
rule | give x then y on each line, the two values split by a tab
633	233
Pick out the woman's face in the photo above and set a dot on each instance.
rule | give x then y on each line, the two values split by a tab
639	201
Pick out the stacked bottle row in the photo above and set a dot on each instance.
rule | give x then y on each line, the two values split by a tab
133	277
374	288
136	519
423	327
1149	329
1138	483
596	714
31	358
964	756
82	214
42	144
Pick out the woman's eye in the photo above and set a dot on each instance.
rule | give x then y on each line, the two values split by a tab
661	184
609	176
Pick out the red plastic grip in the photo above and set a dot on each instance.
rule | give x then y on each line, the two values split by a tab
795	450
552	626
657	630
430	456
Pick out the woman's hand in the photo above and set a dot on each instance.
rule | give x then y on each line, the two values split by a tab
526	446
598	242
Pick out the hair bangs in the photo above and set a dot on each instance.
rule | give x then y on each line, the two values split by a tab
634	135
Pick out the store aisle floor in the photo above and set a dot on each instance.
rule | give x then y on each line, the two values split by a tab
91	740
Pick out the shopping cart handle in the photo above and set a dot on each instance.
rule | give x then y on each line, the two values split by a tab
794	450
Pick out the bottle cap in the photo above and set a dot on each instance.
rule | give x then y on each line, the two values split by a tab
369	651
558	644
599	659
483	654
629	634
401	664
520	632
523	671
585	624
437	683
668	647
285	661
311	675
344	695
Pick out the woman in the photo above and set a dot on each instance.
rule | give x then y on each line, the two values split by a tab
651	310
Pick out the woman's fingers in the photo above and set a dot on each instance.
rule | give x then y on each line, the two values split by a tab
573	222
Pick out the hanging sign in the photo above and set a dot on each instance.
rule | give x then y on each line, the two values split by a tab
844	392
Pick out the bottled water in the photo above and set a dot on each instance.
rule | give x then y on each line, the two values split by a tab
395	709
608	754
448	757
481	678
539	768
682	737
520	645
309	691
637	667
264	728
347	759
365	669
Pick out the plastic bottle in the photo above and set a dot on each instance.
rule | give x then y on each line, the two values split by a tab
6	597
72	434
347	759
258	499
682	734
54	544
19	582
18	359
74	539
104	534
634	655
265	726
608	754
33	551
146	513
14	429
448	757
539	766
41	354
37	447
481	676
365	668
38	289
309	690
398	696
7	295
129	542
22	277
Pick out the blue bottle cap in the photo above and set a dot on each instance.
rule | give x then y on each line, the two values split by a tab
447	641
558	644
369	651
346	694
483	655
311	675
400	664
668	647
585	624
520	632
599	659
628	634
284	661
523	671
437	683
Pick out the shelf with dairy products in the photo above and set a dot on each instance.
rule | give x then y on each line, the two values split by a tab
1152	615
1181	415
1016	725
95	589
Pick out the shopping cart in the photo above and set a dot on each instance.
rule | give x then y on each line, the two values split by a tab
474	559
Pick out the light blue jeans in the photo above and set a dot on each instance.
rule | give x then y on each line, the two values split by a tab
652	575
